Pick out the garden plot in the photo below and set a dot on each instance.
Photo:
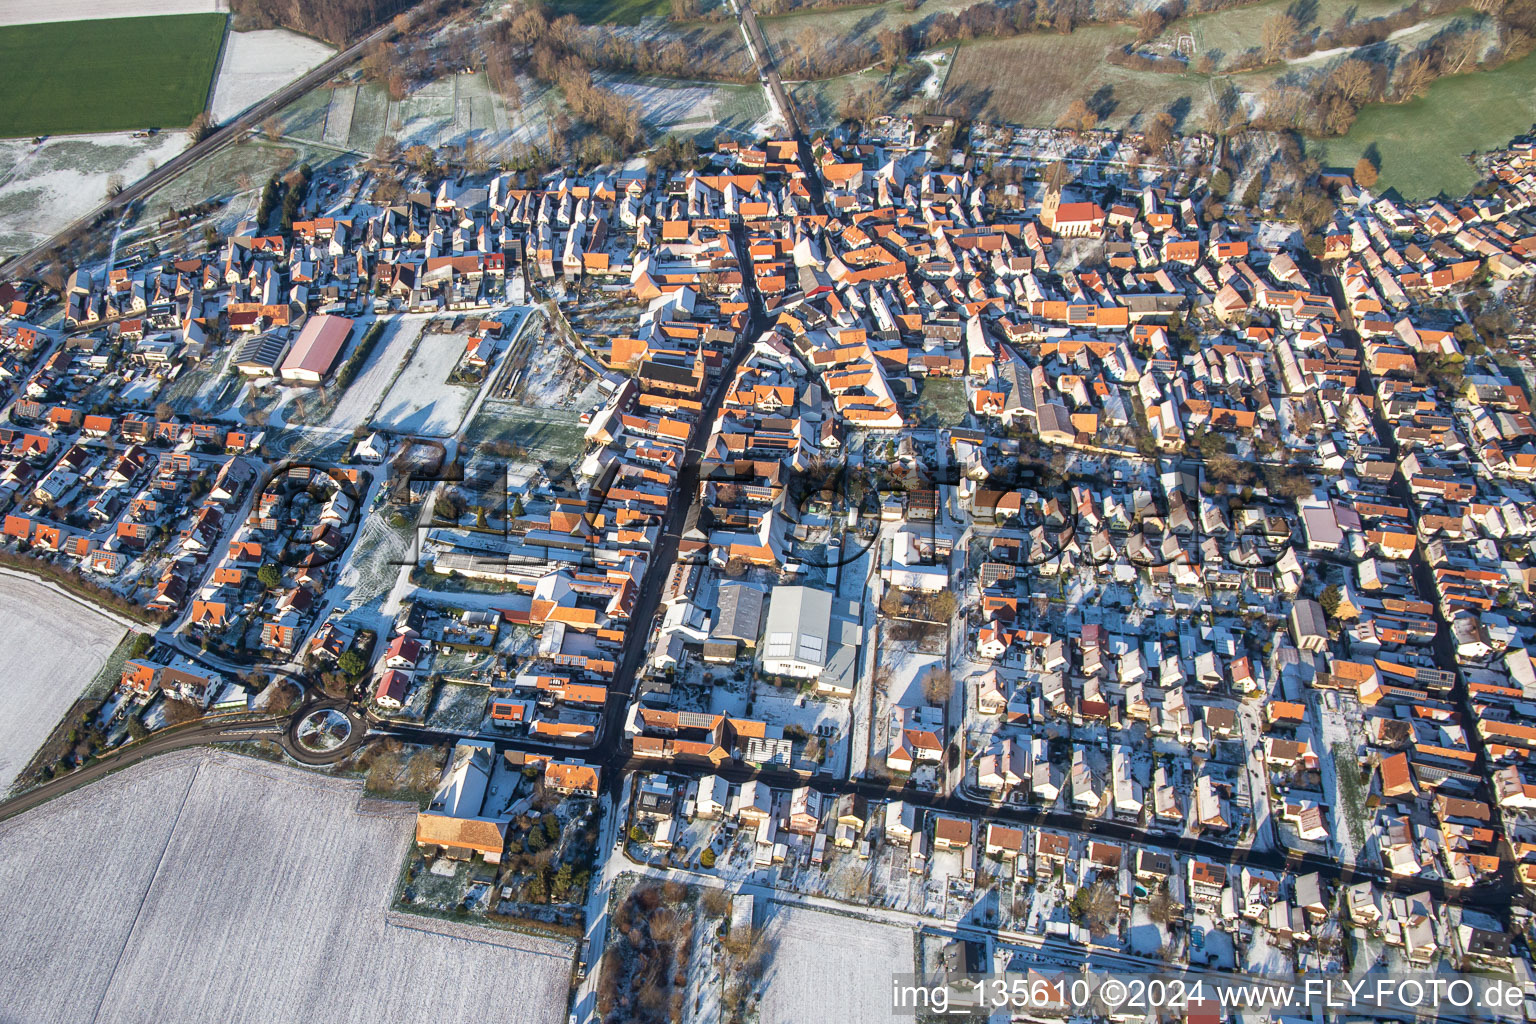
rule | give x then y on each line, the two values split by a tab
544	373
363	394
459	708
28	12
555	434
54	647
44	189
252	892
421	400
799	987
827	721
257	64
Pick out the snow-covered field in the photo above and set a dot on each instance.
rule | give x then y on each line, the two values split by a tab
422	401
701	107
388	352
44	189
801	988
257	64
206	886
684	106
53	648
27	12
371	571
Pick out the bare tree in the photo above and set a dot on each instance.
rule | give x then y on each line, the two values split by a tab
1160	906
422	773
1417	75
386	151
1461	49
1278	33
201	127
1158	134
1102	914
1355	80
938	684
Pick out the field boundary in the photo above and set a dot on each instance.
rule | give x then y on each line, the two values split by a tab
56	583
218	64
491	935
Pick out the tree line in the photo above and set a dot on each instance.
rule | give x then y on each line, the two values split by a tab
338	22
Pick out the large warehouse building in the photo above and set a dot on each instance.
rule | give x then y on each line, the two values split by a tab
315	351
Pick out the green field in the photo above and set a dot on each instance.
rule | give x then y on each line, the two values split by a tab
612	12
96	76
1422	146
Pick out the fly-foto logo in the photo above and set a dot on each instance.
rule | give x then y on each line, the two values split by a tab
313	509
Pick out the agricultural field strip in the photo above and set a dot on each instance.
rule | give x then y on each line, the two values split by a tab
422	387
361	401
257	64
44	666
264	866
91	76
30	12
799	988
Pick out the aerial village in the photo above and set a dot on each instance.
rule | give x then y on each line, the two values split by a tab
1033	548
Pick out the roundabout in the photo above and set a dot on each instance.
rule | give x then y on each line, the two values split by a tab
323	732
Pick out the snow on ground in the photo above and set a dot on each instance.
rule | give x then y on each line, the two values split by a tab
120	827
799	986
206	886
422	401
673	106
1146	936
1264	957
53	648
388	353
908	669
257	64
27	12
373	568
940	61
45	188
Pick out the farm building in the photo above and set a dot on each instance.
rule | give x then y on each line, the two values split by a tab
315	351
452	822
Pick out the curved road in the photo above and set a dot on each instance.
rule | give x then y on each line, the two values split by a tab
175	738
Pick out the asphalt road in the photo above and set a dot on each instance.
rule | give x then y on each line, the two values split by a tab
196	734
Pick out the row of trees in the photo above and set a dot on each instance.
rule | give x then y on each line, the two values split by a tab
336	21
